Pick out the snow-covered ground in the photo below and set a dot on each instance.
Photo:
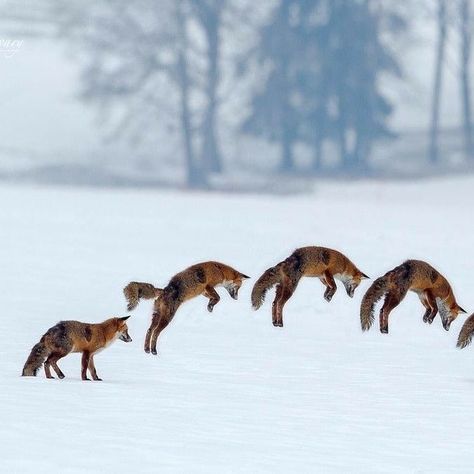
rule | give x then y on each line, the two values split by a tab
229	392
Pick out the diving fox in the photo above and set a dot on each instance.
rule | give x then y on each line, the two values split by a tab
326	264
432	288
74	336
199	279
467	331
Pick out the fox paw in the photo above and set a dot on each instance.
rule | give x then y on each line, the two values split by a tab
384	330
210	307
328	298
154	352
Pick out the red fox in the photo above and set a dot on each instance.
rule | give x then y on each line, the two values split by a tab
199	279
432	288
74	336
321	262
467	331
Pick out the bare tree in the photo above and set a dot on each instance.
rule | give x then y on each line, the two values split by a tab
195	172
466	31
442	26
209	16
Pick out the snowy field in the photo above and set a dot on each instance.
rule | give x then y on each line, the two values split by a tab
229	393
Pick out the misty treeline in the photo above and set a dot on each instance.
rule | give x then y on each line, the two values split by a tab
302	75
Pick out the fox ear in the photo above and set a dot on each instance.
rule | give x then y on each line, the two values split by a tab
461	310
124	318
363	275
244	276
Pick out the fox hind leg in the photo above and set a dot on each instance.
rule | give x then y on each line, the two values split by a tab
47	369
391	301
154	324
148	338
163	322
288	288
211	293
53	361
279	290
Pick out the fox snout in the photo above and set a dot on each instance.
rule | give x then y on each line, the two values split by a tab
125	337
447	323
234	292
350	289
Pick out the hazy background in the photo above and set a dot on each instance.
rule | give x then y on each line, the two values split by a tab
233	95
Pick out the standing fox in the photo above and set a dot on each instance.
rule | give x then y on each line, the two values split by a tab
467	331
321	262
199	279
432	288
74	336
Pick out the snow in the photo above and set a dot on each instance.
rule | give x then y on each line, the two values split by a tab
228	391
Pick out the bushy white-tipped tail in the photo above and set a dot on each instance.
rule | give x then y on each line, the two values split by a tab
373	294
467	331
35	360
270	278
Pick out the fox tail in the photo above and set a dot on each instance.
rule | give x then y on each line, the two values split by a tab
467	331
270	278
135	291
374	293
35	360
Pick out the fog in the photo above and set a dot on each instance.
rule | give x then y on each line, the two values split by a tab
55	112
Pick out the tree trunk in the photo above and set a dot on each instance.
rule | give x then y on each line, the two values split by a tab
361	152
287	164
317	163
344	158
433	155
465	44
211	156
196	177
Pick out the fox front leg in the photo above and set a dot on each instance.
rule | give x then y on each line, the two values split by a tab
92	370
433	308
328	280
211	293
85	365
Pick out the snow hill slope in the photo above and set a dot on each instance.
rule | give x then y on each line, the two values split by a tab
229	392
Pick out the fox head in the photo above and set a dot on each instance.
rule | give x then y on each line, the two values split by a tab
233	286
449	313
122	329
353	281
